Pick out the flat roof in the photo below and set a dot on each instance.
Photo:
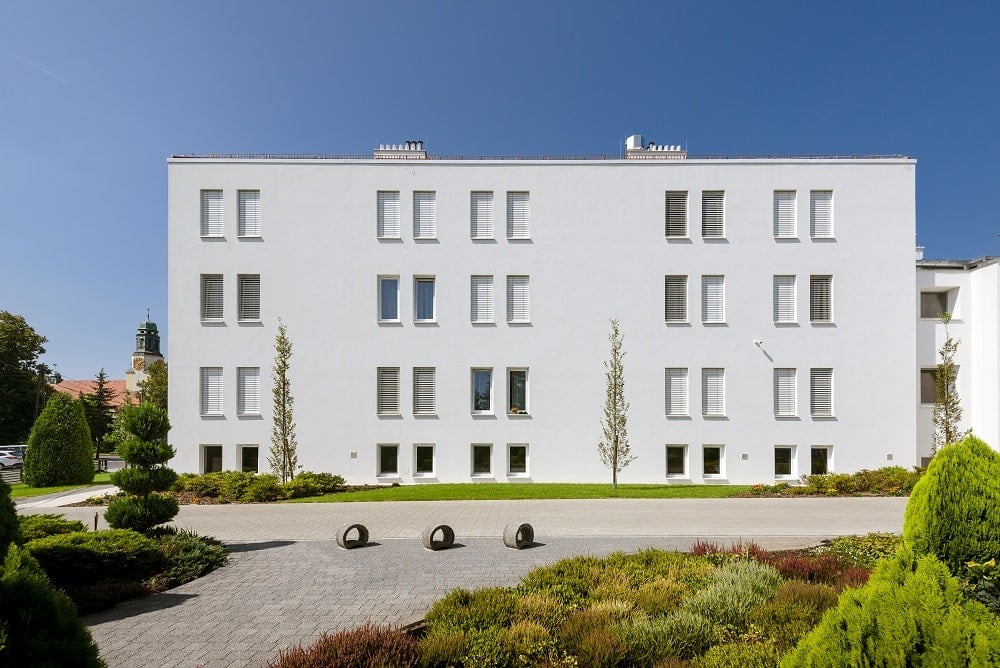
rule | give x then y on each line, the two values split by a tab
963	265
651	158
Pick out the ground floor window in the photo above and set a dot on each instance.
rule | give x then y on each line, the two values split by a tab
424	455
388	460
711	458
517	460
784	460
482	459
820	461
211	458
249	459
676	460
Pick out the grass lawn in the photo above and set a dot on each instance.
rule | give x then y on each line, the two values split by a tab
19	490
479	492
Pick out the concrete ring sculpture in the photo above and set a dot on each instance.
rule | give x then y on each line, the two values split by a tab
518	535
344	540
446	540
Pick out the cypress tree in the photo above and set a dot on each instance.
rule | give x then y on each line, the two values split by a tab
59	450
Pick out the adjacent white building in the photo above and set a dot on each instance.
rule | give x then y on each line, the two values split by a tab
449	317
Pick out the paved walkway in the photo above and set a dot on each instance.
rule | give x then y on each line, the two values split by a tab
287	581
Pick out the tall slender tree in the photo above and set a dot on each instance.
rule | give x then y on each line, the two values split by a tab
282	456
100	413
947	413
153	390
614	448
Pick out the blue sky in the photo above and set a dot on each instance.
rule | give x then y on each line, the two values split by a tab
94	96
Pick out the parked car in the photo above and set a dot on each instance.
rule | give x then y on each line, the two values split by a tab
8	461
16	450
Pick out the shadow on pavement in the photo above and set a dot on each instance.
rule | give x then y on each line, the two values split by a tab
140	606
251	547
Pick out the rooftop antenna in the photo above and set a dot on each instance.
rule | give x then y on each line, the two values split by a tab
147	313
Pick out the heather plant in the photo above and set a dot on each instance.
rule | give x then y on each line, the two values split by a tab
586	634
442	647
472	610
735	589
795	609
679	635
660	597
740	655
361	647
539	608
862	551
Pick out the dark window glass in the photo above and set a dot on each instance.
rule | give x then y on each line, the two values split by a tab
712	461
675	460
782	461
818	464
249	464
518	459
387	459
481	459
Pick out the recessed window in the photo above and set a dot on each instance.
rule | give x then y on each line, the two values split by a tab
211	458
821	298
713	392
481	215
676	392
248	294
518	300
211	297
713	214
423	460
481	304
928	386
675	213
819	460
933	304
518	215
424	390
482	390
211	390
517	391
423	299
249	225
388	298
677	461
675	299
387	390
821	214
784	456
713	299
785	214
821	392
249	458
388	460
248	390
211	213
712	460
388	226
784	393
784	299
482	459
424	215
517	460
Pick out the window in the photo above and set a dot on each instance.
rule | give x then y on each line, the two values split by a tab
211	390
677	461
676	392
423	299
387	390
784	299
928	386
482	390
211	296
518	301
819	460
211	458
675	298
713	214
388	298
481	305
517	460
517	391
423	455
388	460
821	214
249	213
424	390
713	392
821	298
933	304
785	214
712	460
482	459
784	456
821	392
249	459
248	294
481	215
248	390
211	213
388	215
518	215
676	214
424	215
784	393
713	299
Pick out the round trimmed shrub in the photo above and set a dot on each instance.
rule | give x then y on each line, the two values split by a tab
141	514
954	511
73	558
10	528
59	451
143	481
264	487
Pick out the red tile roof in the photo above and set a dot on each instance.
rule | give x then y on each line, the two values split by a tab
75	388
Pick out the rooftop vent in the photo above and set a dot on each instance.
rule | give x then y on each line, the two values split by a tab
409	150
634	150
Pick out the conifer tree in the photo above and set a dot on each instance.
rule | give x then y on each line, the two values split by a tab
99	411
59	450
282	456
614	448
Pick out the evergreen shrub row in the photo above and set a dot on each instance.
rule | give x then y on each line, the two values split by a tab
245	487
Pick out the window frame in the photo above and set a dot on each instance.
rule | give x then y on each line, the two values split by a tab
816	306
206	295
488	473
681	375
518	200
205	448
708	375
786	379
513	410
827	459
940	296
243	230
931	373
417	472
388	210
380	470
785	214
383	279
721	473
672	281
684	472
511	473
243	448
384	391
243	282
816	392
481	216
672	219
814	210
518	299
424	215
417	282
244	395
713	222
210	217
484	303
426	375
792	462
778	299
210	377
473	397
708	306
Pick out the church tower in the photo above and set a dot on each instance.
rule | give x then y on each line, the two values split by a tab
147	351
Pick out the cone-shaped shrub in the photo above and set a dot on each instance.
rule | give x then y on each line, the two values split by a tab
59	451
954	511
10	527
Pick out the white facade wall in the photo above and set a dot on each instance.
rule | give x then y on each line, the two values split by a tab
597	250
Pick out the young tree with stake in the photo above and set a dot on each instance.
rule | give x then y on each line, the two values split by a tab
614	448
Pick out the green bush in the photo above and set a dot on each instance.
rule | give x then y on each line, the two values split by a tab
735	589
10	528
138	514
38	623
264	487
982	583
954	511
530	643
34	527
911	613
442	648
188	556
144	481
740	655
299	488
472	610
488	648
367	645
72	558
59	451
320	483
862	551
541	609
796	608
679	635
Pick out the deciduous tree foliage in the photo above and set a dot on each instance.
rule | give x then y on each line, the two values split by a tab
22	385
60	451
154	388
283	457
614	448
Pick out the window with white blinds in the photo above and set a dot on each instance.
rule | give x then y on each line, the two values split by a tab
249	213
821	213
784	393
211	297
713	299
518	301
518	215
821	392
481	215
675	298
424	215
424	391
676	391
387	390
821	298
675	214
482	299
713	214
784	299
248	289
388	214
785	214
248	390
211	390
211	213
713	392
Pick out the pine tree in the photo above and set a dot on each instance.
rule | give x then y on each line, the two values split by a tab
282	457
99	411
153	390
947	409
614	448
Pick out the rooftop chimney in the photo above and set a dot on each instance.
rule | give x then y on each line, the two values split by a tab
412	149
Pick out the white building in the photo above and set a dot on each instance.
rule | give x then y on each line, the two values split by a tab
450	316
